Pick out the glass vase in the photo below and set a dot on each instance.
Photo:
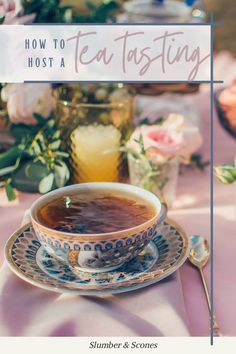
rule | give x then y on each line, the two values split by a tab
93	134
160	179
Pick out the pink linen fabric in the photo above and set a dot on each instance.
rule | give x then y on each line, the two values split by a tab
29	311
195	218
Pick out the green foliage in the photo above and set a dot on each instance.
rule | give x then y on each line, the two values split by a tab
51	11
10	191
36	162
139	141
225	173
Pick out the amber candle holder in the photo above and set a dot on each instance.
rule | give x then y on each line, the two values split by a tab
93	133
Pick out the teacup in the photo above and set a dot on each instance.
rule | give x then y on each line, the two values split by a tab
98	252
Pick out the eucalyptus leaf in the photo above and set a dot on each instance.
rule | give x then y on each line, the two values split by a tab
7	170
10	157
230	169
10	192
46	184
225	174
36	148
55	144
61	153
35	170
56	135
50	123
41	141
28	176
40	120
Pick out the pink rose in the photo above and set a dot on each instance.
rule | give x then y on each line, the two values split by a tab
175	137
157	140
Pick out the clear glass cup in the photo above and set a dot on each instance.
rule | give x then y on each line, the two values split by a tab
162	182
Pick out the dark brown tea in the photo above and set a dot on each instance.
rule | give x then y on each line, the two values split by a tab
94	212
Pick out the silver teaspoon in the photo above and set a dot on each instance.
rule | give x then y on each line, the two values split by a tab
199	255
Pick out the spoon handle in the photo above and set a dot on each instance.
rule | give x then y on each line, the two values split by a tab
216	328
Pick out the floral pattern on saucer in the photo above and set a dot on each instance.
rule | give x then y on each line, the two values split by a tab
161	257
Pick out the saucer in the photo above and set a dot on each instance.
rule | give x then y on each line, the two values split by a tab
161	257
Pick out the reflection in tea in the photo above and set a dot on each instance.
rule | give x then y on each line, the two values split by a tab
94	212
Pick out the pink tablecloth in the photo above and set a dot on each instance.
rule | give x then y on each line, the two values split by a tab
194	216
193	213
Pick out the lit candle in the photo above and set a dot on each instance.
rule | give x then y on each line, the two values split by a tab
95	153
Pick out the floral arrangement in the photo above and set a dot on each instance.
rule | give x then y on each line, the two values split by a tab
48	11
154	150
36	162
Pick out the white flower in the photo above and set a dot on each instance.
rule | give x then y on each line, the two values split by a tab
23	100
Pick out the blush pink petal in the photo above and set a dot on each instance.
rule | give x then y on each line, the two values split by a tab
157	140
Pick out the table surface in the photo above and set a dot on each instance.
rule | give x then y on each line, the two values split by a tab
192	212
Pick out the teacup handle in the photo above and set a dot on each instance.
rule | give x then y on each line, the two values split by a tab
163	212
